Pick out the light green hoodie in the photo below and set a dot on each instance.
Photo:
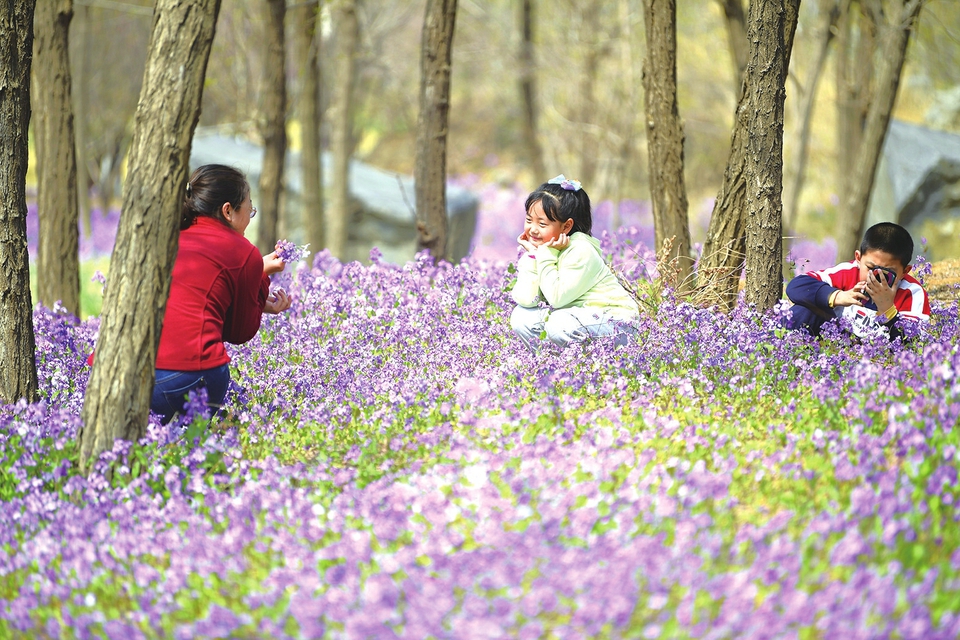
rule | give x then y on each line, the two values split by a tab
575	276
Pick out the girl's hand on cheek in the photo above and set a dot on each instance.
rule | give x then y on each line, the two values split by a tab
560	242
525	243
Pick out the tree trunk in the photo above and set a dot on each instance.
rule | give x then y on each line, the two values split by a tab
724	249
274	126
18	370
528	91
58	265
430	173
341	124
665	136
765	82
736	24
307	43
117	401
856	44
588	107
80	80
792	199
894	43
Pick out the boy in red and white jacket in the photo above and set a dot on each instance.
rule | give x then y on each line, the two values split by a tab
874	291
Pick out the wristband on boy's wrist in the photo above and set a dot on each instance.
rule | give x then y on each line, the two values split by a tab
832	300
888	315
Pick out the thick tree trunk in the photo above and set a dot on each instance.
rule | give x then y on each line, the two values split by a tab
724	249
430	172
665	136
894	43
736	23
117	401
307	44
58	265
765	81
18	370
274	126
528	91
338	214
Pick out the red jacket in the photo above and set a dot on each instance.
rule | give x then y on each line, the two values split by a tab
217	294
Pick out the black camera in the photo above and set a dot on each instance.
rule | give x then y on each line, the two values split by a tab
884	273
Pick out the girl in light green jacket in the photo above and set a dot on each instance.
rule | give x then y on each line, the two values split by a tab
563	267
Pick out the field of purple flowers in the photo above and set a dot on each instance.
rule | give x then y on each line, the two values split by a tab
394	464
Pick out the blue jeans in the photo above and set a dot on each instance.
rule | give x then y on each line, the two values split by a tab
170	389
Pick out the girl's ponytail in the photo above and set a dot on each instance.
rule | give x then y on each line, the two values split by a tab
210	187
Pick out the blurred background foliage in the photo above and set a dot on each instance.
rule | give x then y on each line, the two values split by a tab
588	59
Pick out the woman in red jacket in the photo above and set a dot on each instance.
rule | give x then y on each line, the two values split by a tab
220	289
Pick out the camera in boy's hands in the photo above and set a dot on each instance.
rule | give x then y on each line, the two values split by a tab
885	275
882	275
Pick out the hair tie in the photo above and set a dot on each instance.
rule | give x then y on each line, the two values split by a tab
189	189
569	185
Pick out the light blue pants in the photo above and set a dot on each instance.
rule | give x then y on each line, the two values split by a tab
564	326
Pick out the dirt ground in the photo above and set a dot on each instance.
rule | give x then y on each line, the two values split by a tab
943	283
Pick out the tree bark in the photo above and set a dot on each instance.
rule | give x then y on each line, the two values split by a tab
117	401
18	370
430	172
58	264
724	249
665	136
338	214
528	91
893	52
765	81
736	24
274	126
307	44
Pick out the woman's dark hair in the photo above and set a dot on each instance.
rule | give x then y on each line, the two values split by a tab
209	187
890	238
561	204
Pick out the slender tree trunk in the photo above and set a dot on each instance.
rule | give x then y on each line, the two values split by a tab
307	42
736	24
528	91
338	214
856	45
117	401
81	29
431	167
586	99
792	199
724	249
766	77
58	266
894	43
274	127
665	136
627	95
18	370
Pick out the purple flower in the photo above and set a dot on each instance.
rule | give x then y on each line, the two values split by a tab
290	252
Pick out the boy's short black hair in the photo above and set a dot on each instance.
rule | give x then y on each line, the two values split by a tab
561	204
890	238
